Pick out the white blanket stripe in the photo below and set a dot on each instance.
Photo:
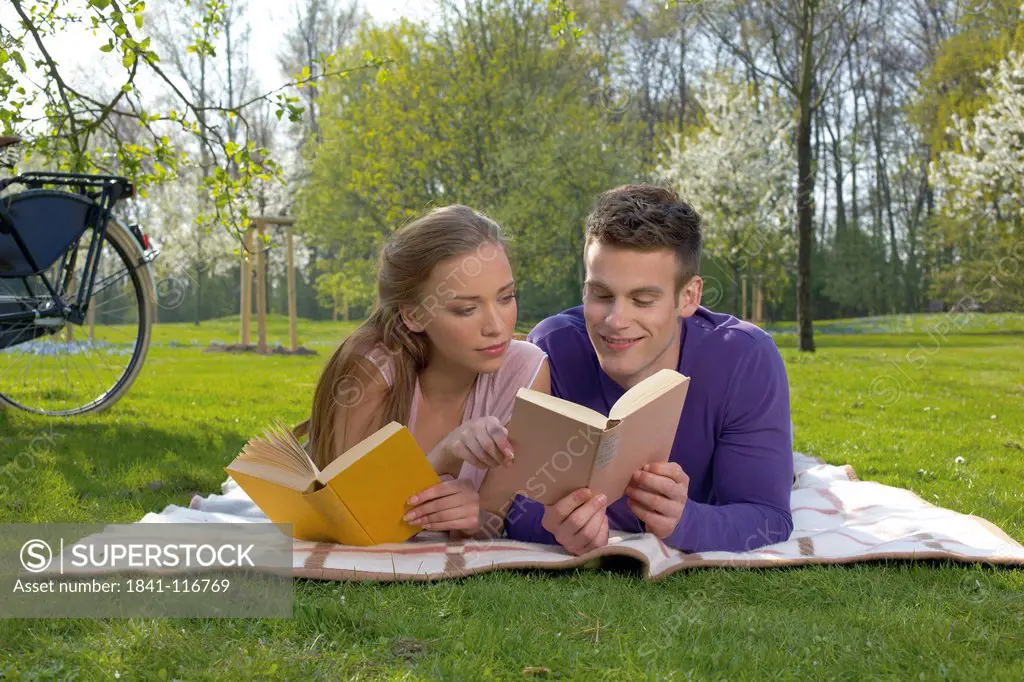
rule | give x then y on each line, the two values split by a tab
838	519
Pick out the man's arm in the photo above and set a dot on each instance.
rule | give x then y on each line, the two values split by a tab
753	464
578	522
523	522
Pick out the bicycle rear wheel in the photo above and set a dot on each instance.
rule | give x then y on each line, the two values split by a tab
77	369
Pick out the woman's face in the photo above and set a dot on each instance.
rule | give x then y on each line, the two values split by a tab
468	309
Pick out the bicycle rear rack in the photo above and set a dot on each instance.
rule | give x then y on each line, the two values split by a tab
108	189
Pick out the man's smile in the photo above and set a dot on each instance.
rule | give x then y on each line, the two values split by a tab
620	343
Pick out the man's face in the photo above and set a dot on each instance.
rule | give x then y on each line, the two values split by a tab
632	312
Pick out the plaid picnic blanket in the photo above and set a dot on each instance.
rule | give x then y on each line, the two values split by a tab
837	518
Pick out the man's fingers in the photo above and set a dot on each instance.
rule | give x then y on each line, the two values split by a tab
589	536
658	524
668	470
653	501
568	504
645	514
592	538
656	483
602	533
579	518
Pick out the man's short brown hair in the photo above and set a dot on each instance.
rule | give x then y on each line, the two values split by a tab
648	218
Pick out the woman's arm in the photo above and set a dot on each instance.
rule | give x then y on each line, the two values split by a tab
493	525
358	415
542	382
481	442
444	461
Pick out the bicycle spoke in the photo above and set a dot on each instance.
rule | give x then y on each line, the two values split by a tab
80	374
76	366
116	310
30	361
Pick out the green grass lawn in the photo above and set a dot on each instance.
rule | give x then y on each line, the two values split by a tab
899	398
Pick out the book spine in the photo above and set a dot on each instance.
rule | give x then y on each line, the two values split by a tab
606	448
340	519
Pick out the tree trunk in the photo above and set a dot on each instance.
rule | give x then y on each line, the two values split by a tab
823	234
735	288
199	293
853	147
682	78
837	163
912	292
884	197
805	183
200	237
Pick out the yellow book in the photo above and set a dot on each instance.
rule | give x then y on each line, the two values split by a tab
358	499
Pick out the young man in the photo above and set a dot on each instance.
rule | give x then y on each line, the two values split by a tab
727	483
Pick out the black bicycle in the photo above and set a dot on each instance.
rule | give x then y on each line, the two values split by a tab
76	293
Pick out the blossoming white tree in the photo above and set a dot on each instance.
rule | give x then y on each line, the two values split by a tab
980	187
737	171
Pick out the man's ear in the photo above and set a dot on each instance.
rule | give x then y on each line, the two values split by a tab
689	296
410	316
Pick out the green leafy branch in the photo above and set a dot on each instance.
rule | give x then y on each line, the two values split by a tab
118	133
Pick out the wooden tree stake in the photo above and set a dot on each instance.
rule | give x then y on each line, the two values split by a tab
261	289
292	305
246	289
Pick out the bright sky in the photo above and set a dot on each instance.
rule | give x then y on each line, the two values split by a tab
267	17
77	52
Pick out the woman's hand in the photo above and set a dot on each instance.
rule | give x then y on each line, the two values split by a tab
452	505
482	442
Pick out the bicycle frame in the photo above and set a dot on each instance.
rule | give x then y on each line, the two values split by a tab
108	190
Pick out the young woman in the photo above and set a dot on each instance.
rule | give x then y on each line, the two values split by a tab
437	355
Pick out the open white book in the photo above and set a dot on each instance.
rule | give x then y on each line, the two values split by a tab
561	446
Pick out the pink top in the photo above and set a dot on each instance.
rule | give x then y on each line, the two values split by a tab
492	394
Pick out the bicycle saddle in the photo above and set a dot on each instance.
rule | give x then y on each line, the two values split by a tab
8	140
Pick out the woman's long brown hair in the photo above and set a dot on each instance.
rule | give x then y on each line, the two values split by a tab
404	267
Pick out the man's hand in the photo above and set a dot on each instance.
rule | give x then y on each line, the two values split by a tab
657	495
452	505
578	521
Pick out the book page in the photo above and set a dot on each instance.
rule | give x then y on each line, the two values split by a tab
644	437
580	413
554	455
278	448
608	447
272	473
648	390
282	503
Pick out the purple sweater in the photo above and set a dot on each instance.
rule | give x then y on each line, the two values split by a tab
733	439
